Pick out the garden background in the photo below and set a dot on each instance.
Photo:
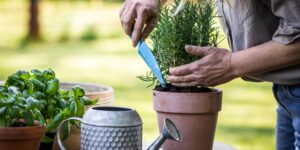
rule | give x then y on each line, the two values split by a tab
82	41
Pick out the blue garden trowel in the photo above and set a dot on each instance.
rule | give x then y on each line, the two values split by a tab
145	52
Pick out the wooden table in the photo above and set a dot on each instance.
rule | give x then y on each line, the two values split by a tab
217	146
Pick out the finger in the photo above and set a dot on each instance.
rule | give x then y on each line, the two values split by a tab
122	10
149	27
128	20
181	70
186	84
180	79
138	27
197	51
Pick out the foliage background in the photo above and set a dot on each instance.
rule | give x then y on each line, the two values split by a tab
247	119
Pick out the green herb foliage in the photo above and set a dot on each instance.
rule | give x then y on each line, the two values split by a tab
194	25
36	96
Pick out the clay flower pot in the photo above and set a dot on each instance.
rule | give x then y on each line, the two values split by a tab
22	138
103	93
195	115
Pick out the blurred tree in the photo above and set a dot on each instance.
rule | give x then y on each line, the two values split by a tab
34	26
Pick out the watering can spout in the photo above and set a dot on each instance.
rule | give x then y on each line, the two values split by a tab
169	131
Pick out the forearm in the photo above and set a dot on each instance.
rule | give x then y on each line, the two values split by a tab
265	57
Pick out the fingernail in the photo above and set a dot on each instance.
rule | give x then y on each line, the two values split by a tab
134	44
188	47
168	78
171	70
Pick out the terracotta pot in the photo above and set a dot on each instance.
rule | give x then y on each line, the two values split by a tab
105	97
103	93
195	115
21	138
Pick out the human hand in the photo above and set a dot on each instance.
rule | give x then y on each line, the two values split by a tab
213	68
138	18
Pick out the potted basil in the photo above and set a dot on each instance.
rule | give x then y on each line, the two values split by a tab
194	110
42	89
22	125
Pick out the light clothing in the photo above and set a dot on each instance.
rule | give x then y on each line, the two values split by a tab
249	23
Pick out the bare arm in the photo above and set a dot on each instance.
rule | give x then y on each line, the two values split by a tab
265	57
218	66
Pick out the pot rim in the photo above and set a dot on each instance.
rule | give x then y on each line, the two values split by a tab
108	89
214	90
26	127
187	102
36	124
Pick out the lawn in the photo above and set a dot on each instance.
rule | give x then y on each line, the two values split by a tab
247	119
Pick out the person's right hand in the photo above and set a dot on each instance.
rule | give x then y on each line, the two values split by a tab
138	18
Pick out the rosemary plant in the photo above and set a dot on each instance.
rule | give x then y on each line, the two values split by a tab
194	25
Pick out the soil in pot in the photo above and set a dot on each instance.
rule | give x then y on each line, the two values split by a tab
193	110
193	89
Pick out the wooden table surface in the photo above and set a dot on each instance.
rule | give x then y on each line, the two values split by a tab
217	146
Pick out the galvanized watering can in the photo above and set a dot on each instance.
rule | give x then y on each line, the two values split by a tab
116	128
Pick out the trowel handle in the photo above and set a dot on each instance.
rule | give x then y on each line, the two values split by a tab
60	143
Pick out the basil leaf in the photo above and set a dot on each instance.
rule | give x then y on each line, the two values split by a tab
25	94
55	122
62	103
2	110
28	117
66	130
49	74
78	91
11	80
23	74
13	90
36	72
73	108
38	84
30	86
52	87
38	95
15	111
80	107
88	102
32	103
39	116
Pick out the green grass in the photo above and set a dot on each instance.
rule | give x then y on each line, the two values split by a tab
247	119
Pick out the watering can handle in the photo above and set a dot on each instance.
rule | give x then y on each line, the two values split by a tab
60	143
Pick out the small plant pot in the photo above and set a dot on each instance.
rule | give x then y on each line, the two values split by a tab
195	115
105	96
103	93
21	138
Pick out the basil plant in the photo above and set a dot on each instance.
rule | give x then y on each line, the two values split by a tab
36	96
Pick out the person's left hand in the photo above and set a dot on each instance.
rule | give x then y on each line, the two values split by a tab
213	68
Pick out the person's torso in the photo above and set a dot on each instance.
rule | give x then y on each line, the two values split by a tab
249	23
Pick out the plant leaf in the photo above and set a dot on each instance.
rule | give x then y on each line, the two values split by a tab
46	139
54	123
2	110
66	130
28	117
80	108
78	91
49	74
52	87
